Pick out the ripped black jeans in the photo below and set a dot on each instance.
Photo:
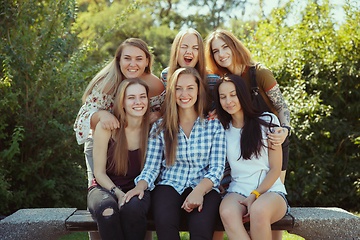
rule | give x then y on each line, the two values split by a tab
128	223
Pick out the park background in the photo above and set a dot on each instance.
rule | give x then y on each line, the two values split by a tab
50	50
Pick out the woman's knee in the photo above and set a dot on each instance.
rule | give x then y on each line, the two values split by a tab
106	209
136	206
227	214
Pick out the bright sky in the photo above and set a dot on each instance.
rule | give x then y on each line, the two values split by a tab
252	9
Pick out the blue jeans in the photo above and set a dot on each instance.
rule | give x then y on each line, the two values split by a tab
127	223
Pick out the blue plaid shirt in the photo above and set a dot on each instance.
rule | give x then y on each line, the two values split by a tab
201	155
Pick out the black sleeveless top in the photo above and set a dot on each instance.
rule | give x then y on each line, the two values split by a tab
126	182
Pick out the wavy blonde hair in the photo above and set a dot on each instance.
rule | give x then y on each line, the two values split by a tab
170	122
109	78
120	145
241	54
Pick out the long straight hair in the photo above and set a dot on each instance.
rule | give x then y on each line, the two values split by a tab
240	53
120	144
170	122
251	140
200	65
109	78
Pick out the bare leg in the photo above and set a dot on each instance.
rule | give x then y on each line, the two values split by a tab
277	235
267	209
231	213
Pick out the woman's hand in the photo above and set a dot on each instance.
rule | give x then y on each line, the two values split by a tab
154	116
108	121
139	189
278	136
133	192
193	200
212	114
120	195
247	203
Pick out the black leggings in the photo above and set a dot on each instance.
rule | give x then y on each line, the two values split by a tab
127	223
167	202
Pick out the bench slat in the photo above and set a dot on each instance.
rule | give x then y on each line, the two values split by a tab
81	221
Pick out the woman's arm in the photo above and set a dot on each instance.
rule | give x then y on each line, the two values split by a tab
83	124
196	197
108	121
151	168
216	168
277	99
101	139
275	163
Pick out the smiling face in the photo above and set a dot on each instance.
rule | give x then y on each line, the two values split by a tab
133	62
228	98
188	55
222	53
135	100
186	91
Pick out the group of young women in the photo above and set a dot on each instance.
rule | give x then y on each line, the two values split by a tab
150	144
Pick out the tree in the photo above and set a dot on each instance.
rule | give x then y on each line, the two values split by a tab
320	67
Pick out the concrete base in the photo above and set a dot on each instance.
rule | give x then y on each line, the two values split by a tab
325	223
42	224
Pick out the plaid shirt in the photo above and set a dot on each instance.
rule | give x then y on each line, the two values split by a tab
201	155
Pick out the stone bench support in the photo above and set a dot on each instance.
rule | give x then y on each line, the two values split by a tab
314	223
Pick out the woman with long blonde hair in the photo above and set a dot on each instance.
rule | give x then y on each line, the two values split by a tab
119	156
132	59
186	154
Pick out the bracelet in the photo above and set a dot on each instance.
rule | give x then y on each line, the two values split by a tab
288	128
112	190
257	194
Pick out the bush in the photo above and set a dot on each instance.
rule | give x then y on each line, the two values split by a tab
319	64
41	85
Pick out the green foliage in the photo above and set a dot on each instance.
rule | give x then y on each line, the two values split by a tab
51	49
319	65
41	84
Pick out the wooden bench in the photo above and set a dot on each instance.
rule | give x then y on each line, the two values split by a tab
81	221
311	223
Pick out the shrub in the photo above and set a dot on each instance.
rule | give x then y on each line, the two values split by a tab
317	63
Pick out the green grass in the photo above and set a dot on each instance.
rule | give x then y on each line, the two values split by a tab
76	236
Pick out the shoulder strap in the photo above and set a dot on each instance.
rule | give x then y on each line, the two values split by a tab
252	72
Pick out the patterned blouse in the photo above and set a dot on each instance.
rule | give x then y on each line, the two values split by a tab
99	101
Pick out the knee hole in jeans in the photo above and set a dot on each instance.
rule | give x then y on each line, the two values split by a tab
108	212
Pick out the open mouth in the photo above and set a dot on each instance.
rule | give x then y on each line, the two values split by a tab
138	108
188	60
132	70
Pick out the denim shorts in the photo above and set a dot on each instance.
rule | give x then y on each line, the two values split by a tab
280	193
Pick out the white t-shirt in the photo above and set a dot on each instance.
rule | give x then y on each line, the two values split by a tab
247	175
